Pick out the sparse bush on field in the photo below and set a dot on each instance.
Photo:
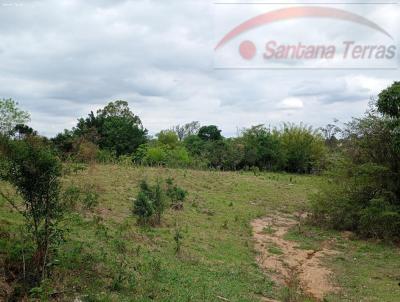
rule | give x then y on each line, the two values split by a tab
34	170
176	194
143	208
86	197
150	202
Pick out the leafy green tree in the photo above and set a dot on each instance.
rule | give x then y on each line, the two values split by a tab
262	148
64	142
21	131
209	133
363	193
303	147
10	116
168	138
115	128
121	135
34	170
194	144
389	101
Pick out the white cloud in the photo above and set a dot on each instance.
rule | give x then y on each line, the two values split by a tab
290	104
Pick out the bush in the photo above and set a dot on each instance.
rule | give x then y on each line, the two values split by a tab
87	198
150	203
176	194
106	157
363	193
34	170
143	208
303	149
86	151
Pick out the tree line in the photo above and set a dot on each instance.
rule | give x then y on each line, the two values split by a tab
115	132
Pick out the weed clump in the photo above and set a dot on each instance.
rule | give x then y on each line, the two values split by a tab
176	194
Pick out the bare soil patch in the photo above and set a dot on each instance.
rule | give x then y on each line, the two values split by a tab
287	262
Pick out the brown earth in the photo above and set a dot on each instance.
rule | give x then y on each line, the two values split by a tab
290	264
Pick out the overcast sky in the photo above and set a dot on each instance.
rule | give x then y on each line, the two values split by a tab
61	59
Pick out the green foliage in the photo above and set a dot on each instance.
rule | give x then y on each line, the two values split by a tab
155	156
389	101
84	198
194	144
303	148
85	151
166	151
209	133
34	171
114	128
143	208
364	190
106	157
11	116
176	194
168	138
158	200
150	203
262	148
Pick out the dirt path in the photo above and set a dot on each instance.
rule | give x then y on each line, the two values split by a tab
288	264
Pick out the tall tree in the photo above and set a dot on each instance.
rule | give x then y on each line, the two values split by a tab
114	127
186	130
210	133
10	116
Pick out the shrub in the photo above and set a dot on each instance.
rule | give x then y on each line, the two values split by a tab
34	170
86	151
178	157
176	194
303	148
87	197
106	157
158	200
363	193
150	203
156	156
143	208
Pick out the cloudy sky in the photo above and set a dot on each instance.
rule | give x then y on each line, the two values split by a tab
61	59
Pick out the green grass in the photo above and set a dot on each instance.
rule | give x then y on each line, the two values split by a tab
273	249
107	257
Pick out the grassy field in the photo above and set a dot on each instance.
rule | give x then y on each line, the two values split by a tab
107	257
